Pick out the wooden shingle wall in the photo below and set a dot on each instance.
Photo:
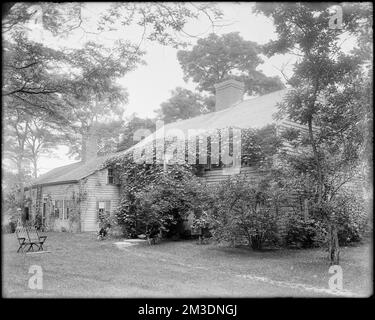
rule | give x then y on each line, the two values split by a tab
97	189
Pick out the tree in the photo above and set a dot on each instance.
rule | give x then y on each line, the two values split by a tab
77	86
31	83
41	138
325	95
36	75
183	104
131	127
160	22
213	60
10	187
97	98
16	129
217	58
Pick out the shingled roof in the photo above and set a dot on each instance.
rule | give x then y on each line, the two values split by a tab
71	172
251	113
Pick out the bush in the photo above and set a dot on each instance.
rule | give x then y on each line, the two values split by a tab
9	227
201	223
38	221
154	201
243	209
351	217
347	211
303	232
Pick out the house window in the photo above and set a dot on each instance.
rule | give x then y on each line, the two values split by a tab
59	209
110	176
103	208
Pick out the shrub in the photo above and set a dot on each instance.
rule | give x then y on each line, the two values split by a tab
243	209
303	232
38	221
9	227
351	217
346	210
156	201
201	223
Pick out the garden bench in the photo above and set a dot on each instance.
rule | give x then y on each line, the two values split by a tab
28	236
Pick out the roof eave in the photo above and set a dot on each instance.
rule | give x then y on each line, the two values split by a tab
51	183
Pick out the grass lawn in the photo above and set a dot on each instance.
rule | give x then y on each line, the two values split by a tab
78	265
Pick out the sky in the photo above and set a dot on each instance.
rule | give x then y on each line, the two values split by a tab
151	84
163	72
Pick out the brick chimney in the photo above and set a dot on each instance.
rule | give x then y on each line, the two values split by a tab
228	93
90	145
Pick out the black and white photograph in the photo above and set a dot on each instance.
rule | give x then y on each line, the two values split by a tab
187	150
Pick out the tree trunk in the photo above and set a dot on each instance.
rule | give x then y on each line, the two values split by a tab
333	241
334	249
35	167
84	148
317	162
21	195
256	242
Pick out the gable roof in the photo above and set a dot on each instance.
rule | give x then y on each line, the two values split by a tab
71	172
251	113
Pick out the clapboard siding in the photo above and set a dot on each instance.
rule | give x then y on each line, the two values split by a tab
97	189
218	175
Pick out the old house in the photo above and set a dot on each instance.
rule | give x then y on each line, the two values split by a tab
71	197
231	111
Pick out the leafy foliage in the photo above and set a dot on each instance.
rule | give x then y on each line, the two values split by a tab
153	198
130	128
352	216
259	146
76	86
183	104
304	232
243	209
325	97
217	58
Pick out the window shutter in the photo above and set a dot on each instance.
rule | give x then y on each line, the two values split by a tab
97	210
116	177
67	208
